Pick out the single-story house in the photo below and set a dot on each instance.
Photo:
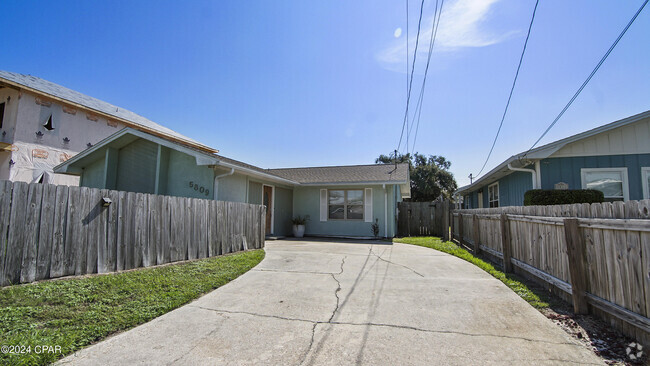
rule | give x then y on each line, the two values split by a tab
340	200
613	158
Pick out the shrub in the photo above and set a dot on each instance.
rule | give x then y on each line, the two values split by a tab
545	197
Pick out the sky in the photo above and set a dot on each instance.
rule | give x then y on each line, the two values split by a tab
309	83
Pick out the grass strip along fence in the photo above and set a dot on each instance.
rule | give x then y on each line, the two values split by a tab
73	313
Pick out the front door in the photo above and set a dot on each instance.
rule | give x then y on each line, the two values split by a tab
480	200
268	202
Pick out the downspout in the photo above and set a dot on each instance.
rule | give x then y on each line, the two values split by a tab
385	211
531	171
216	182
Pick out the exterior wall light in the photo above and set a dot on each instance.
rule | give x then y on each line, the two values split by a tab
106	201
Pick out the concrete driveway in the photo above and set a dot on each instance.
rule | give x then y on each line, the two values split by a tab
339	303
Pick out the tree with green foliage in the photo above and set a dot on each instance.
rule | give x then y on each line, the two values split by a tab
430	175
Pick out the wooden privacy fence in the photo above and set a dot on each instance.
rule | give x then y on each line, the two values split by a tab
423	219
49	231
595	255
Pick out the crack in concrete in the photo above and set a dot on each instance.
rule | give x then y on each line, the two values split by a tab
329	321
311	343
336	292
406	327
256	314
396	264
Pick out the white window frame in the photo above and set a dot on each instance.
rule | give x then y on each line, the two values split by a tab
496	184
623	171
345	204
645	173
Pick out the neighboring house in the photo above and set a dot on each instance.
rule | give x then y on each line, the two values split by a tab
340	201
43	124
613	158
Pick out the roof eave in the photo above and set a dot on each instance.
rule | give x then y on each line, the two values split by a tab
549	149
67	167
353	183
256	173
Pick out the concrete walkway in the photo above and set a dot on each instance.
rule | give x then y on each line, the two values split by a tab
341	303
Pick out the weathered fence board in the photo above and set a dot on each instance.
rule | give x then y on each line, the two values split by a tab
49	231
15	237
423	218
57	262
46	232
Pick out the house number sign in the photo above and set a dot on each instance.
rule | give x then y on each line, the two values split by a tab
199	188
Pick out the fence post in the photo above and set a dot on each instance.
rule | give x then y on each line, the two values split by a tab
577	265
460	228
476	234
445	220
505	243
451	224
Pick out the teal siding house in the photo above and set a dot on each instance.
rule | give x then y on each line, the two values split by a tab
613	158
339	200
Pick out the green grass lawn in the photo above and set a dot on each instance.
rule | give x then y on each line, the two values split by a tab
534	295
74	313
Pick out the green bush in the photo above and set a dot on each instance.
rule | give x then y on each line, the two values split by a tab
545	197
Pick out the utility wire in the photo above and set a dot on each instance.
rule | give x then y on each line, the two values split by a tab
418	107
611	48
407	52
514	82
408	95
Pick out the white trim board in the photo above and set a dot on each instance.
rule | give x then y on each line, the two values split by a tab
645	175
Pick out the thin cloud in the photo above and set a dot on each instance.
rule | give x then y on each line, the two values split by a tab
462	25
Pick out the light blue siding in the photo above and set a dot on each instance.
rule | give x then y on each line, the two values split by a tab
93	175
567	170
306	201
232	188
136	168
254	193
182	170
512	188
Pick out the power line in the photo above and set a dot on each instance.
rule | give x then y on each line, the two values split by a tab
407	54
418	107
408	95
514	82
611	48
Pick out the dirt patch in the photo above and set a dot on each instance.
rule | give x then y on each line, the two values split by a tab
612	346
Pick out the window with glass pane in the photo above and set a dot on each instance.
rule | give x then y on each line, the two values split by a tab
493	195
608	182
345	204
336	205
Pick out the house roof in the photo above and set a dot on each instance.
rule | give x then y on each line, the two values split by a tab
355	174
375	173
525	158
56	91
